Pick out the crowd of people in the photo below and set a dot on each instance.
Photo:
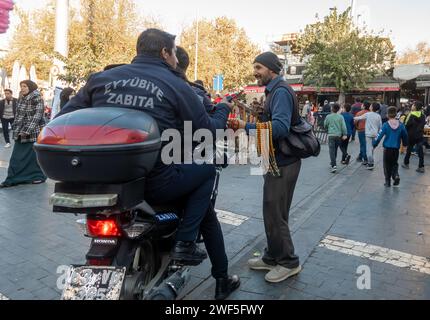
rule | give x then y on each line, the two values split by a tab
402	128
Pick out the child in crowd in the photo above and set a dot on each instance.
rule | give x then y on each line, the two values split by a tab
349	121
335	125
373	126
394	132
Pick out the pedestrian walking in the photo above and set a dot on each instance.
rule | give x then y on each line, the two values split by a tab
372	128
394	132
7	114
415	123
29	121
360	125
349	122
335	125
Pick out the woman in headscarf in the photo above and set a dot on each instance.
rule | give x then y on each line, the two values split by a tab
29	120
67	94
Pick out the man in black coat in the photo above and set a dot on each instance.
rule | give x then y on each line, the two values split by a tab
415	123
7	114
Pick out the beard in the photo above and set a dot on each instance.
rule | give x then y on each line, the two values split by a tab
263	81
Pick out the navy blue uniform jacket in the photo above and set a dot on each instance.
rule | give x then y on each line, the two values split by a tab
151	85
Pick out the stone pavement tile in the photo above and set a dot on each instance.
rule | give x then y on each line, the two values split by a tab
7	287
27	283
50	281
46	294
235	242
251	227
21	295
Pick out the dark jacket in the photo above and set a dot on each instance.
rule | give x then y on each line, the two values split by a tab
281	108
349	121
415	126
14	106
152	86
203	96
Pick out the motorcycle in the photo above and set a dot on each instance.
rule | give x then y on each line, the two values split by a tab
100	158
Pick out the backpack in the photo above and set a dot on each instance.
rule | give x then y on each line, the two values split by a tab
301	141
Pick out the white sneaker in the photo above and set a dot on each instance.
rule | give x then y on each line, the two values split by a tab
280	273
259	264
7	145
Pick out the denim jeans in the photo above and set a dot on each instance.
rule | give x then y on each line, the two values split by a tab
370	150
362	139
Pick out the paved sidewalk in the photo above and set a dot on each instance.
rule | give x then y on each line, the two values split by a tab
351	205
350	223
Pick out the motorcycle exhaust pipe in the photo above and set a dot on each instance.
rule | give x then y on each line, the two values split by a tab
170	288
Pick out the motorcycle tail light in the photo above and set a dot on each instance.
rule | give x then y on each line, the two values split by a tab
78	135
103	228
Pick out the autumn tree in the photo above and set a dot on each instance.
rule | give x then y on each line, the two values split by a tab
342	55
421	54
223	48
32	41
102	32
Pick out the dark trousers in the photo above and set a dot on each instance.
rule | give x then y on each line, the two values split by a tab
363	152
193	184
344	147
5	127
419	146
333	144
277	198
391	165
354	130
211	231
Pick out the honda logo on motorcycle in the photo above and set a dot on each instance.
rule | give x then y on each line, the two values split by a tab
106	241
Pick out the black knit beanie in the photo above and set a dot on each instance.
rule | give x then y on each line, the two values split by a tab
270	60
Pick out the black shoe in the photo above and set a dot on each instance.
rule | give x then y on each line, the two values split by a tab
348	159
396	181
225	286
359	159
365	163
421	170
387	183
188	253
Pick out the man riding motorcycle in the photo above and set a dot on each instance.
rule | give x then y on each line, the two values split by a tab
151	84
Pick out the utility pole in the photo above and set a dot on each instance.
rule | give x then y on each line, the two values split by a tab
352	13
197	50
61	38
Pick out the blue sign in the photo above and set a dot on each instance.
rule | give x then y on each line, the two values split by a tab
218	82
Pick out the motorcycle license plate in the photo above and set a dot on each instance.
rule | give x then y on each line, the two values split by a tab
93	283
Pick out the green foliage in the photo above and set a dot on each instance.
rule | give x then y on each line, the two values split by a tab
342	55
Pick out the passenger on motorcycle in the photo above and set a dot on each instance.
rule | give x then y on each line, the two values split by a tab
151	83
